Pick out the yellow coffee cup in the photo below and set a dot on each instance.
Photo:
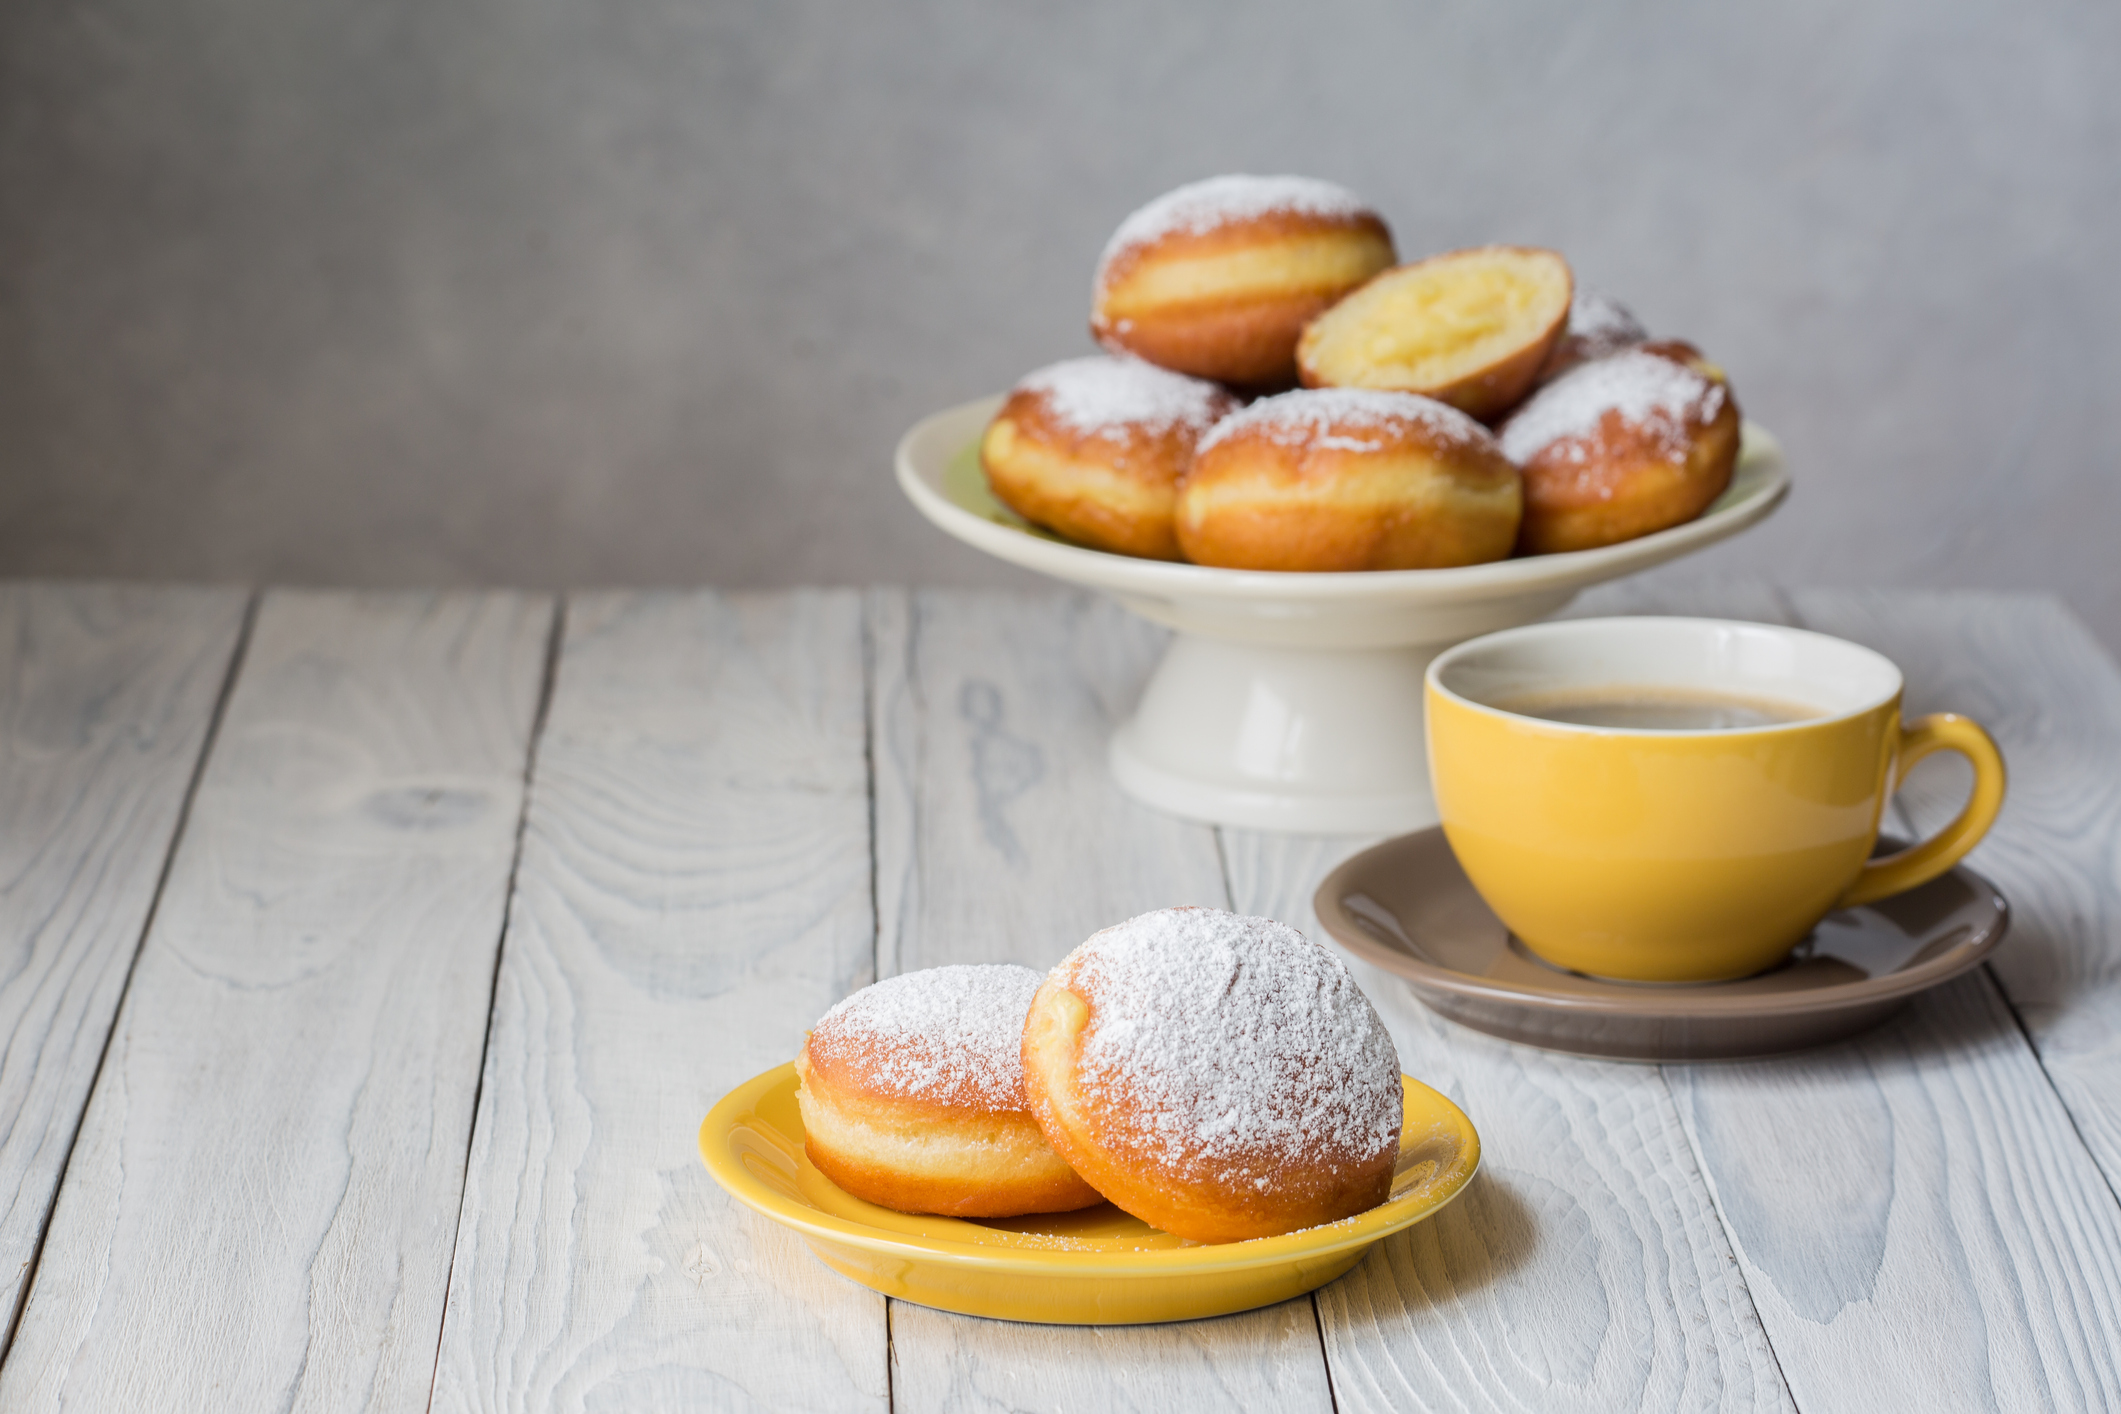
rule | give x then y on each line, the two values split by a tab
1688	849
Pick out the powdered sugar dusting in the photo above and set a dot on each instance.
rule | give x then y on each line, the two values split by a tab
1603	325
1108	397
1234	1043
1655	394
1200	207
1347	419
948	1035
1604	319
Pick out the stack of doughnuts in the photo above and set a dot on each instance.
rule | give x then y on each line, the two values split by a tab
1234	290
1216	1076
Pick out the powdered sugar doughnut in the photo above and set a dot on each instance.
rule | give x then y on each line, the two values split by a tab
1218	1077
1597	326
912	1094
1348	479
1094	449
1218	278
1621	446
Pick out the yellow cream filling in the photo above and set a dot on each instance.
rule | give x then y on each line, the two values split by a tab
1431	323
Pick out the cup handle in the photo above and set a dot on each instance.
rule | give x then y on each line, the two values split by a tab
1918	864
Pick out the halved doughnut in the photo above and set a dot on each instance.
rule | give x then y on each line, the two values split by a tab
1471	328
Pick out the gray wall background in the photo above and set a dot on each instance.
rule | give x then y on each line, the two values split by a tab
554	292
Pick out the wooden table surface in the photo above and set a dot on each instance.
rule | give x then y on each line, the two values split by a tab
367	962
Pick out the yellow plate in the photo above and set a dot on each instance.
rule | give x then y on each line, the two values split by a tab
1095	1267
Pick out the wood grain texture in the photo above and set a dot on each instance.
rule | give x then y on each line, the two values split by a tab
2027	670
694	891
1584	1270
106	695
1918	1223
1265	1361
263	1201
258	1211
1000	837
1919	1220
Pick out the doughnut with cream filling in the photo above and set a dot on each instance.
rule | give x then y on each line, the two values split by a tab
1471	328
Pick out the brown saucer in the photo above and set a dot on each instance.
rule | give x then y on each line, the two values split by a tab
1407	907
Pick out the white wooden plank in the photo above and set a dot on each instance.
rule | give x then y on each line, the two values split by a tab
106	693
1000	837
1265	1361
258	1210
2026	669
694	891
1584	1270
1918	1224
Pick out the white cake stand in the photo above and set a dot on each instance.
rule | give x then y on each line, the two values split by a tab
1293	701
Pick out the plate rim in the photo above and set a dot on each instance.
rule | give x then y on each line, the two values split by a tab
1499	579
1306	1245
1840	996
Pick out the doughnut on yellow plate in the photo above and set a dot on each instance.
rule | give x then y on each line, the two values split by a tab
1093	1267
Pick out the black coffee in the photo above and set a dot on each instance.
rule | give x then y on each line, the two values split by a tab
1656	709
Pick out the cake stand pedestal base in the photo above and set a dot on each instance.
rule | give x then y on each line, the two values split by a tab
1308	740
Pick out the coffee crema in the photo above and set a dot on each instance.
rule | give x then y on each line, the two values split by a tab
1656	709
